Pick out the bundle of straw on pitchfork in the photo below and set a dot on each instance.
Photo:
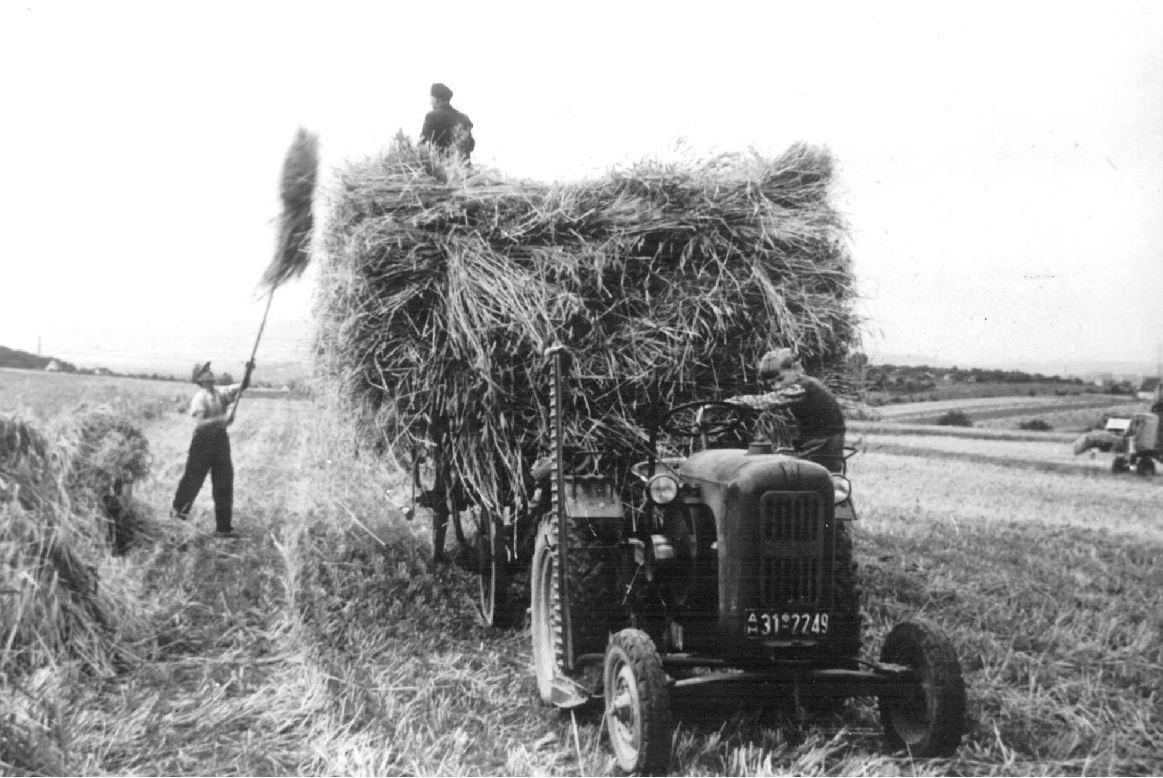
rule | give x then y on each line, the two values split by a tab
293	246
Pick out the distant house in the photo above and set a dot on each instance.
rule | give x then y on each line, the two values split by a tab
1148	389
103	371
52	367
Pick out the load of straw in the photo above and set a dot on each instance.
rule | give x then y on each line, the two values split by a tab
441	286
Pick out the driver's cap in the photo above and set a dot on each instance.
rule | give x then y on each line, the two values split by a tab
775	362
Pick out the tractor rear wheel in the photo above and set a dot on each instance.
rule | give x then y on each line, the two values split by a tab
637	703
1145	466
927	719
588	579
544	616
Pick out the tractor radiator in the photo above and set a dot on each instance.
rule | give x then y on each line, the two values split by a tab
792	549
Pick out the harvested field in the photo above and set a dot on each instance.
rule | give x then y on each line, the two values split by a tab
857	429
325	645
42	396
1071	413
1031	455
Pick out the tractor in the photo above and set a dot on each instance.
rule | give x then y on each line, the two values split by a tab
711	567
1140	445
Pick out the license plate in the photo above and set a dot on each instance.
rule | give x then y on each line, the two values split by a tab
765	624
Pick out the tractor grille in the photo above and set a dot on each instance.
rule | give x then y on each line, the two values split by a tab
791	581
791	516
792	536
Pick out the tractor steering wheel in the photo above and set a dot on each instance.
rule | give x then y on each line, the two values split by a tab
673	422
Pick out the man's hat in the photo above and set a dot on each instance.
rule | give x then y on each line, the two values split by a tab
199	371
441	92
775	362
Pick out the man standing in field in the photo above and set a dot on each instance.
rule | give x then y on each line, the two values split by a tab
445	127
819	420
210	448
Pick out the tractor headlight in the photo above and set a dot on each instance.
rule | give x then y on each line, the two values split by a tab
842	488
662	488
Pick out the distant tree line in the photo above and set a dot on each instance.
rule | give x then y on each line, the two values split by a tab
908	379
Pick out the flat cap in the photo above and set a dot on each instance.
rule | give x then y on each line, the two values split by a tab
776	361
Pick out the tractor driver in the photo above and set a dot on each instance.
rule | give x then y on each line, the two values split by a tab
819	420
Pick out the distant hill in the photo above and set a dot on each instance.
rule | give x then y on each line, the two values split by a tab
1067	367
12	357
273	373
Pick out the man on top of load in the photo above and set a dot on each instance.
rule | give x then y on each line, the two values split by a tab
819	421
445	127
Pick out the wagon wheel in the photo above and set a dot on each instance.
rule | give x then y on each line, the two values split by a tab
494	603
637	703
927	716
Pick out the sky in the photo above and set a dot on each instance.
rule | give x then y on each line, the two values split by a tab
1000	164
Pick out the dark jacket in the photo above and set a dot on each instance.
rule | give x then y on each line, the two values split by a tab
445	127
816	412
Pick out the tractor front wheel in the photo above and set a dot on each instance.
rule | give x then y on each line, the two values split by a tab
927	718
637	703
1119	464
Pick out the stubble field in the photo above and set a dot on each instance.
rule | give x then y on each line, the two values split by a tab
324	643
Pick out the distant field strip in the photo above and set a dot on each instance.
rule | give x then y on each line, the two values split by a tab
999	407
1042	455
857	428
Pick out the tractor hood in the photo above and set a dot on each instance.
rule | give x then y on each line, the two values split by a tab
751	472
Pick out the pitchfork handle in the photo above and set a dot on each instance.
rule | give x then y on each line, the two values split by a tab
254	351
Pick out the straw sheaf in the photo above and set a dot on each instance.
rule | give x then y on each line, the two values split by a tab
103	450
292	251
25	462
442	286
55	535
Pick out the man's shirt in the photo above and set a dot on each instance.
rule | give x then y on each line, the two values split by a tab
213	402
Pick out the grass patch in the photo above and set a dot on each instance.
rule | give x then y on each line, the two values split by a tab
1057	627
